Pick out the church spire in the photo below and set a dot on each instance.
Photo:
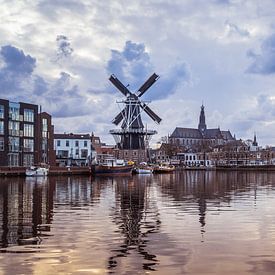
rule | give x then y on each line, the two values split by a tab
202	125
255	143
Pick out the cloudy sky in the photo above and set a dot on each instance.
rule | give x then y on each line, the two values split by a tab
60	54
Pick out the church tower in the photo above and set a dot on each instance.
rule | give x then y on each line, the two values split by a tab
202	125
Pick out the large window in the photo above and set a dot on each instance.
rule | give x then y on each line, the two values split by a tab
28	145
14	128
13	159
13	144
28	160
84	153
28	115
2	144
1	111
1	127
28	130
44	128
14	111
62	154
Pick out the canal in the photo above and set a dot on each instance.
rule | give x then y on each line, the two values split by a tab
192	222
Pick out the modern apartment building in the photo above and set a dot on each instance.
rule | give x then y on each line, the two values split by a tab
21	134
73	149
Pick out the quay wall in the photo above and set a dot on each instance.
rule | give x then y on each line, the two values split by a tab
54	170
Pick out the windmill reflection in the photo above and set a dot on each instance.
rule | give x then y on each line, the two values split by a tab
133	221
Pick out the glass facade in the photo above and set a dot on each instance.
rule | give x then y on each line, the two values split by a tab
14	111
28	115
28	130
14	128
28	145
14	144
1	127
28	160
2	111
44	128
13	159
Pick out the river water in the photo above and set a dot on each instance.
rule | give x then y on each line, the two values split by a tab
192	222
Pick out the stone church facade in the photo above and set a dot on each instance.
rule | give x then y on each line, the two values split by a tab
196	138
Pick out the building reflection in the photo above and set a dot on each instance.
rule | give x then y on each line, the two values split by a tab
135	224
210	189
25	204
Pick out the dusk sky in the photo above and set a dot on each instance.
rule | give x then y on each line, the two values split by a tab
60	54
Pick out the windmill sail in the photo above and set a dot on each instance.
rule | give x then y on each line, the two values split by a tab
119	85
148	83
150	113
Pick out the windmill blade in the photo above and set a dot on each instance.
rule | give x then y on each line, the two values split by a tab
147	84
119	117
150	113
119	85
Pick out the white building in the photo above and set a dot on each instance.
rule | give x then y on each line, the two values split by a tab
73	149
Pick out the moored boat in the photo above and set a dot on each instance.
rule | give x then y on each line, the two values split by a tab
144	168
34	171
113	167
164	168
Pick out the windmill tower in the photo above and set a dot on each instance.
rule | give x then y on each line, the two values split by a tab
132	138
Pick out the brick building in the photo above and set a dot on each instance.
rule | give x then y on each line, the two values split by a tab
21	132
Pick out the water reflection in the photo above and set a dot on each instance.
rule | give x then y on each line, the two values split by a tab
134	221
177	223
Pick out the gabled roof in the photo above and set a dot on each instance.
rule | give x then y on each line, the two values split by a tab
227	135
186	133
213	133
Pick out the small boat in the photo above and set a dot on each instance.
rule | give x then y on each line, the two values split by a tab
37	171
144	168
113	167
164	168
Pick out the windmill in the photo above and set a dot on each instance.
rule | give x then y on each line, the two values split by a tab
133	135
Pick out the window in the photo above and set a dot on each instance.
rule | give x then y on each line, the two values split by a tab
44	125
85	143
76	152
58	143
14	111
13	128
13	159
28	145
13	144
44	144
2	144
76	143
62	154
84	153
1	127
28	115
1	111
44	128
28	130
28	160
67	143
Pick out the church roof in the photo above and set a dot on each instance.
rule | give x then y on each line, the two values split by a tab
186	133
213	133
227	135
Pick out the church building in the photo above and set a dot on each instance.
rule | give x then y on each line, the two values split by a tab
195	138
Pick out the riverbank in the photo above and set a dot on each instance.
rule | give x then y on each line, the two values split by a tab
53	171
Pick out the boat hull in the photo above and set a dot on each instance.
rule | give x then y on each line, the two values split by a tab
112	170
144	171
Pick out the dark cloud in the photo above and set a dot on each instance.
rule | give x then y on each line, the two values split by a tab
133	66
60	96
64	49
263	63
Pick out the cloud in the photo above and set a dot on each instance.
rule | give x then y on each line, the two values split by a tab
263	63
133	66
64	49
